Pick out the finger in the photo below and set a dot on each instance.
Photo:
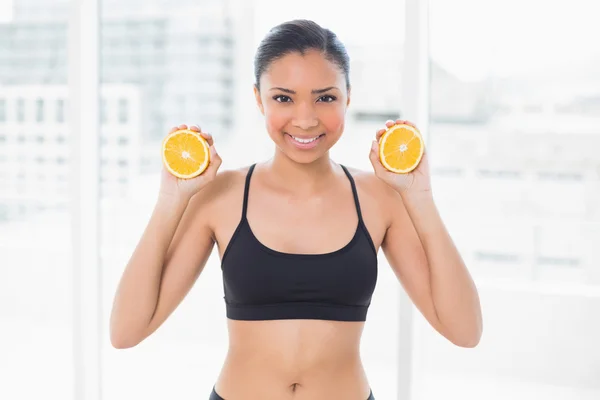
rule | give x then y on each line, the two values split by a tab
379	133
182	127
389	123
208	137
215	162
400	122
195	128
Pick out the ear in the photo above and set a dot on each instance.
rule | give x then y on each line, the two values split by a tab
259	102
349	96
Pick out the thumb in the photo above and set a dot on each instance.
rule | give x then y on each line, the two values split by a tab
374	157
214	163
215	159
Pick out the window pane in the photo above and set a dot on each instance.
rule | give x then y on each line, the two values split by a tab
39	110
2	110
521	202
60	111
35	210
172	73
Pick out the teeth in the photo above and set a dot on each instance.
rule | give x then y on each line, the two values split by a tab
305	140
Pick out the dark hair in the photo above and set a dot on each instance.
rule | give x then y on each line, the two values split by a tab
300	36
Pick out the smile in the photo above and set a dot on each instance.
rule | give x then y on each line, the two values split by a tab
306	140
305	143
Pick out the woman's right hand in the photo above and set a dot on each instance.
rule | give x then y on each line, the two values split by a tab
183	189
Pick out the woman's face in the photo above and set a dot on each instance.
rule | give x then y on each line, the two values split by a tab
304	101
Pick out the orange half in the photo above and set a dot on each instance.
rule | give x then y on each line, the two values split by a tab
185	153
401	148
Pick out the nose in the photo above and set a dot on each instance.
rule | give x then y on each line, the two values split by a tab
305	117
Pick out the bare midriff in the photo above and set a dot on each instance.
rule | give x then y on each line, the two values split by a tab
293	359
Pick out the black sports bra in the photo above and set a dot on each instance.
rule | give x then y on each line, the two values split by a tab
264	284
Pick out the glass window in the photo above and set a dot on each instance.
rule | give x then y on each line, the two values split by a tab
39	110
502	107
60	110
2	110
36	268
123	111
20	110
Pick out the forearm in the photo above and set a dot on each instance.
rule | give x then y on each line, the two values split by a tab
454	294
138	291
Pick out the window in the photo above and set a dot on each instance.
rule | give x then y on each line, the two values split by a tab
20	110
60	111
36	272
560	176
496	257
501	174
498	96
2	110
123	111
522	211
39	110
569	262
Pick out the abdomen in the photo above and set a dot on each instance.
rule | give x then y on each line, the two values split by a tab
295	359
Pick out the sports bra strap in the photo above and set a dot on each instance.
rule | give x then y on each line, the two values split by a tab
350	178
354	192
246	190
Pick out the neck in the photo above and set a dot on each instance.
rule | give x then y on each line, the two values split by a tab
299	176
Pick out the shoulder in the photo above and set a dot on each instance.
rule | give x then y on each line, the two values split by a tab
226	186
375	193
367	183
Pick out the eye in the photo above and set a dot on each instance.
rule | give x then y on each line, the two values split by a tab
327	98
281	98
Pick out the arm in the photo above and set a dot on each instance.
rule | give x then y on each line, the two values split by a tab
426	261
422	253
169	256
164	266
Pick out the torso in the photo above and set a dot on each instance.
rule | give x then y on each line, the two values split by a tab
296	358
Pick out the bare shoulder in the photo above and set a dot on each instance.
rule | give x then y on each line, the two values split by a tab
374	196
213	205
369	184
226	185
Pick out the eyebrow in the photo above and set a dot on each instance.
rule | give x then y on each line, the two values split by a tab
314	91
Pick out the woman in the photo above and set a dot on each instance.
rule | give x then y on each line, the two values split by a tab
298	237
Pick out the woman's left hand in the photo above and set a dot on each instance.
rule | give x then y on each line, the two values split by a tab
415	182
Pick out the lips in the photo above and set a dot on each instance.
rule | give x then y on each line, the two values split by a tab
304	142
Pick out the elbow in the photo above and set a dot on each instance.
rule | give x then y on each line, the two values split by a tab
121	342
469	341
123	339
